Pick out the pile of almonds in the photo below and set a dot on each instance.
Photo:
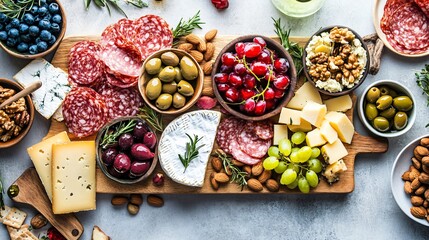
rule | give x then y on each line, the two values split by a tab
417	180
134	201
201	49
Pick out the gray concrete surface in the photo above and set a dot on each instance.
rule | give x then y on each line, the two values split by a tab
369	212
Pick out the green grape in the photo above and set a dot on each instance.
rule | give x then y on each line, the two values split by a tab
295	149
293	185
315	152
294	167
288	177
270	163
294	157
281	167
285	146
315	165
303	185
312	178
298	138
304	154
273	151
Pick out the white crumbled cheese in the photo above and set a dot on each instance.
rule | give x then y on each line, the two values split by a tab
316	41
330	85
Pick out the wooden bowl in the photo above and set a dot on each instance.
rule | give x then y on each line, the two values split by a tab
197	83
17	54
103	167
30	108
345	91
281	53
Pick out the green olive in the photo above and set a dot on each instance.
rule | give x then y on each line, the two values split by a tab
400	120
384	90
381	124
388	113
153	66
167	74
403	103
170	59
373	94
185	88
188	68
153	88
178	75
371	111
164	101
178	100
384	102
170	88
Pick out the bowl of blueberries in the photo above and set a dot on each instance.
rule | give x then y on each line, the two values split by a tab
34	29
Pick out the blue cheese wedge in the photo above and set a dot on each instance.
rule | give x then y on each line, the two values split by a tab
54	89
173	142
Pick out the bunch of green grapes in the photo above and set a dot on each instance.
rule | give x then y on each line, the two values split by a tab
298	166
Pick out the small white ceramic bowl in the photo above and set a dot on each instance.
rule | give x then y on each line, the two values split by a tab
399	87
401	165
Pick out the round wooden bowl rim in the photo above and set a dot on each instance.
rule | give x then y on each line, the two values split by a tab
198	90
30	108
344	92
49	50
279	49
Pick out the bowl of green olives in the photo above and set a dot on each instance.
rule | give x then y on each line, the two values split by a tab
387	108
171	81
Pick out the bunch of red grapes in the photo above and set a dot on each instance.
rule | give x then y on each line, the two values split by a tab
253	77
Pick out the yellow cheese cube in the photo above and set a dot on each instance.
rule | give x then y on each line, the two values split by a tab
332	171
314	138
342	124
339	104
328	132
303	127
73	177
314	113
40	154
307	92
290	116
280	132
333	152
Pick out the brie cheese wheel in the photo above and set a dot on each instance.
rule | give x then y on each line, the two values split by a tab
173	141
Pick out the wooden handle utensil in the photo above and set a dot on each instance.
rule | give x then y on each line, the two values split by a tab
31	88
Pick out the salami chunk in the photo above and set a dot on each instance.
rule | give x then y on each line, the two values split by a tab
84	67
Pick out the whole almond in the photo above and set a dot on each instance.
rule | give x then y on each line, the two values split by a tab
265	175
416	163
199	57
257	169
272	185
207	68
209	51
213	182
421	190
426	203
426	194
414	174
38	221
424	142
194	39
136	199
221	177
119	200
415	184
202	47
254	185
418	212
424	178
133	209
407	187
155	201
416	201
237	163
425	161
228	171
425	168
210	35
216	164
406	176
187	47
420	152
248	170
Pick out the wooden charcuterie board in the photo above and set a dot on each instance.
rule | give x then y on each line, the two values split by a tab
360	144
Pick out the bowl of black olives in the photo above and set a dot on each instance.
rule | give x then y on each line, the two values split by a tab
127	150
35	30
387	108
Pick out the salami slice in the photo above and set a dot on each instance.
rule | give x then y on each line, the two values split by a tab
121	61
121	102
228	129
84	67
241	156
84	111
119	81
251	145
264	130
424	6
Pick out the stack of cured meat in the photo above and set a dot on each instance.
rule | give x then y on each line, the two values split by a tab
406	25
104	75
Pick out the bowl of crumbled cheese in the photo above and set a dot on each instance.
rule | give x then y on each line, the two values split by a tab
336	60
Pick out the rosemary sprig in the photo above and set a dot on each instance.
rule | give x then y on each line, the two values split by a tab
293	48
237	175
110	136
152	117
115	4
423	82
1	197
191	150
184	28
16	9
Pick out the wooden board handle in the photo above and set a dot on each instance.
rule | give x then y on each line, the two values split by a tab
369	144
32	192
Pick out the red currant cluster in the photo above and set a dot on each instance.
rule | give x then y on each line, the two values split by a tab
253	77
220	4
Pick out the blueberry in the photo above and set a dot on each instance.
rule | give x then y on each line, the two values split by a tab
44	24
34	31
8	27
33	49
55	28
52	40
13	33
3	18
23	28
47	17
53	8
42	46
42	11
42	2
34	10
15	22
45	35
3	35
11	42
22	47
37	40
56	18
26	38
28	18
1	27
